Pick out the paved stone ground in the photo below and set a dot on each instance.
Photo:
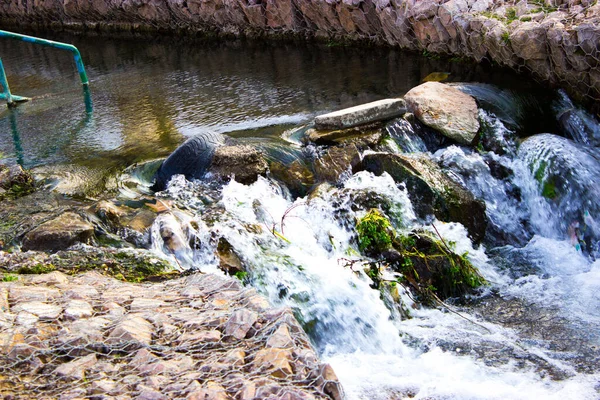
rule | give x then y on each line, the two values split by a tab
196	337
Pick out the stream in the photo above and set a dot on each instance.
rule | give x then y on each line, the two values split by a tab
532	333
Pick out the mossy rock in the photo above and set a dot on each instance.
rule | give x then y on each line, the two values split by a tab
431	266
428	264
129	265
430	190
15	182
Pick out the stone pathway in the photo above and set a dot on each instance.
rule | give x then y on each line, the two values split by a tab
196	337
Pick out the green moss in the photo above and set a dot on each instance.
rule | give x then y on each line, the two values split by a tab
37	269
21	186
374	232
9	278
547	183
241	275
511	14
130	267
431	267
506	37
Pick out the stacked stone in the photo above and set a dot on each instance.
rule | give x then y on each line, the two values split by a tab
198	337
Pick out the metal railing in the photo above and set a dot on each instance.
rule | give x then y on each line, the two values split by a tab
12	99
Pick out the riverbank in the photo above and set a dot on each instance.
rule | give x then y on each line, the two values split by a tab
557	43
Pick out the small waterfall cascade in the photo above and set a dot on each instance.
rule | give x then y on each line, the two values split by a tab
302	253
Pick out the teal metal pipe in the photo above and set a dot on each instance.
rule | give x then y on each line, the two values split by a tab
10	98
50	43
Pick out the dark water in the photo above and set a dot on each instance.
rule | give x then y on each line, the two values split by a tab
150	94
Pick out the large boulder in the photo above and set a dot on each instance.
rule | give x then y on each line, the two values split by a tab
446	109
430	190
191	159
244	163
58	234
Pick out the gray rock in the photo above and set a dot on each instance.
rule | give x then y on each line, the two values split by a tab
240	323
27	293
361	115
446	109
281	338
59	233
76	369
52	278
40	309
244	163
141	304
132	331
4	300
77	309
25	318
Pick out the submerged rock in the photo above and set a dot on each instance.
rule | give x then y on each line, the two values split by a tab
59	233
445	109
567	176
15	181
431	191
362	114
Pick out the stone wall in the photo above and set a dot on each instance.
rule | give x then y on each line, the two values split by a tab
557	40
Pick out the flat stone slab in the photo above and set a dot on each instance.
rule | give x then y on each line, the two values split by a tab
363	114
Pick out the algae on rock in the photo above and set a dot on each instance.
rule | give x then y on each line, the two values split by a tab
428	264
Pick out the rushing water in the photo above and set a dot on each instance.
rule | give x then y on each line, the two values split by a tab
533	333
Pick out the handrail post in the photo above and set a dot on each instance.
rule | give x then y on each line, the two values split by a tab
5	88
51	43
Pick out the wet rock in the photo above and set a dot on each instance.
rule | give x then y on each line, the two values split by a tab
244	163
76	369
15	182
108	212
335	161
361	115
59	233
297	176
229	261
277	361
431	191
368	135
445	109
240	323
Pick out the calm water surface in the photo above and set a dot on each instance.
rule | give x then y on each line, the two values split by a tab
150	94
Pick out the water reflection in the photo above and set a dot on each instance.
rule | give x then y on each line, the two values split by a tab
149	95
